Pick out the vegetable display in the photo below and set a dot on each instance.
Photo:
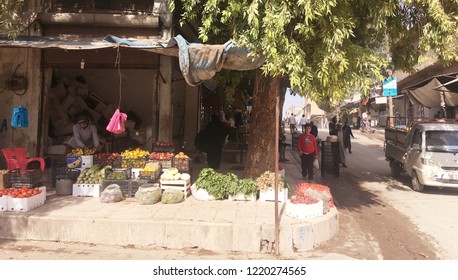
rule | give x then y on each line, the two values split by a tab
93	175
267	180
221	185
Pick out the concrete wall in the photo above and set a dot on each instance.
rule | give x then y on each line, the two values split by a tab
29	66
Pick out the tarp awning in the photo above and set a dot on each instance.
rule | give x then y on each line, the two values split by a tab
428	93
198	62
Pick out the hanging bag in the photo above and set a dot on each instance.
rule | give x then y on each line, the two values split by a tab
20	117
116	125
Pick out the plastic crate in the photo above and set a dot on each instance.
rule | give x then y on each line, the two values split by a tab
125	186
164	163
65	173
123	173
182	164
107	159
30	178
133	163
150	175
135	185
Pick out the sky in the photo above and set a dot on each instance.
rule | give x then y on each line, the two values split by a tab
291	100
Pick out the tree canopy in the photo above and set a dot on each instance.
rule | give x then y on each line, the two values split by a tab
10	16
328	48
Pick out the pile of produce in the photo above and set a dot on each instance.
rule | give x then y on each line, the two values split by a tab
150	169
118	174
22	192
134	158
221	185
162	146
81	152
103	159
171	174
161	155
267	181
316	191
93	175
181	161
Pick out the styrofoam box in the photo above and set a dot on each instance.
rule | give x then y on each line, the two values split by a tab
136	172
269	195
27	204
242	197
304	211
92	190
3	203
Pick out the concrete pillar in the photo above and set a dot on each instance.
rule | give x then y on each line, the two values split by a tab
191	122
165	120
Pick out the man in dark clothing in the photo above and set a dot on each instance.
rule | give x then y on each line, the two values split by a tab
314	130
333	126
212	138
346	130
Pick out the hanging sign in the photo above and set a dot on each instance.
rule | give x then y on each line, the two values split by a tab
381	100
390	87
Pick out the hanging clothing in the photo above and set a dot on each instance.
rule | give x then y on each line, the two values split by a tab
20	117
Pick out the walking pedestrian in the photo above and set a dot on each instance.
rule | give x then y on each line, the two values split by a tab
347	133
308	152
340	140
303	122
292	123
314	130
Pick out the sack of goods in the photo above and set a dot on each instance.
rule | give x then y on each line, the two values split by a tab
148	194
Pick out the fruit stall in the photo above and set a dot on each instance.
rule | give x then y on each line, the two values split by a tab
161	175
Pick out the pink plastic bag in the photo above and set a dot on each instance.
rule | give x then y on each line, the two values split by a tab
116	125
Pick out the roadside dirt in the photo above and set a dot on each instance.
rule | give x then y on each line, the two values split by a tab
372	229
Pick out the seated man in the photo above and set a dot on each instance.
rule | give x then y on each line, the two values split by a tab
84	134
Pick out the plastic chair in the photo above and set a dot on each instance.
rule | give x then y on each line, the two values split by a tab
16	158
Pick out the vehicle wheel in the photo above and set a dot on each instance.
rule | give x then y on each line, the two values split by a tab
395	169
416	185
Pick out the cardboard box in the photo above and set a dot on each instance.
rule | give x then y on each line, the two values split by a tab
80	162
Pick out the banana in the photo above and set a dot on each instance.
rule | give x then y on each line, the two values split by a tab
75	163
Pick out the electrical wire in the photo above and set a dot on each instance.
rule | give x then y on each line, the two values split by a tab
118	64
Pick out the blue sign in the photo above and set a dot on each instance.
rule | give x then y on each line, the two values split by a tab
390	87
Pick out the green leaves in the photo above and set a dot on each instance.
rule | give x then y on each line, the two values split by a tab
221	185
11	16
329	48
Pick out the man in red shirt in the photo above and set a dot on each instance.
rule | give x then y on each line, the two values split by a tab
308	152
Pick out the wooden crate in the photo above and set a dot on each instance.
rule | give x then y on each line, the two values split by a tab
181	185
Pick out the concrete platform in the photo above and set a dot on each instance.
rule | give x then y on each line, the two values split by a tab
213	225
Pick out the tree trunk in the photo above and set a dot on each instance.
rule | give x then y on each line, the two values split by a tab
261	145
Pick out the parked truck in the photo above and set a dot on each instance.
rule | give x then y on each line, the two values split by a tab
426	149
